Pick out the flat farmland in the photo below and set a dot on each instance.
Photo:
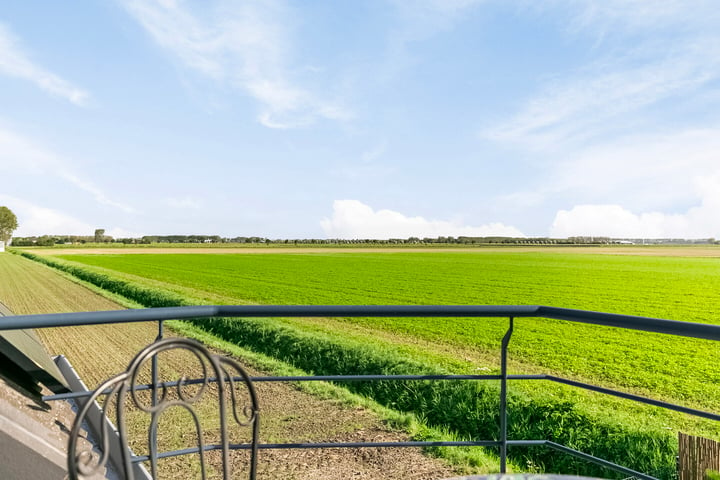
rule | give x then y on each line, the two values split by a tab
99	351
681	286
677	288
157	248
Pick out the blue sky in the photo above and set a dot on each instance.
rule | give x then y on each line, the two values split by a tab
371	119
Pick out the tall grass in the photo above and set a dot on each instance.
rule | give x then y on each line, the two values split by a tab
469	408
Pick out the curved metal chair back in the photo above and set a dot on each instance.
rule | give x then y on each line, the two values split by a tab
122	392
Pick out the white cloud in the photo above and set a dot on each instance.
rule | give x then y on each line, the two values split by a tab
35	220
353	219
244	45
701	221
624	137
646	172
15	62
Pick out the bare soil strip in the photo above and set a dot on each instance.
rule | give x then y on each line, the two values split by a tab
644	250
98	352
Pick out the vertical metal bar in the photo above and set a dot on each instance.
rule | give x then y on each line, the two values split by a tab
503	397
155	386
154	367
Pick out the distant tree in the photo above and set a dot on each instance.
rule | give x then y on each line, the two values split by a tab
99	234
45	241
8	224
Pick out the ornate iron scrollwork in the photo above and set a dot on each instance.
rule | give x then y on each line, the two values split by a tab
122	391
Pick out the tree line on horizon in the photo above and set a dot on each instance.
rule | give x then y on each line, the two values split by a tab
9	223
100	237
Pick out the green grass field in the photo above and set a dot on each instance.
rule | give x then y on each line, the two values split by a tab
678	288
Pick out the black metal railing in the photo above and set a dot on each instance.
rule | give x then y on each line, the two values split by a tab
207	313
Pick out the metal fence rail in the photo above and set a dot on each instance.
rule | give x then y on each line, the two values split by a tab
207	313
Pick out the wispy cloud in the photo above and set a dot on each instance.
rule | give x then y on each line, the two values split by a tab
591	102
93	190
354	219
602	16
675	53
244	45
623	138
15	62
19	154
35	220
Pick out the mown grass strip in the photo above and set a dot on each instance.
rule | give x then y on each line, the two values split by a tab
470	409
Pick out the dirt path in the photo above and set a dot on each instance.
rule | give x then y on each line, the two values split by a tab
289	415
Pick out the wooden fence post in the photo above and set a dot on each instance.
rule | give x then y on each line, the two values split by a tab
696	455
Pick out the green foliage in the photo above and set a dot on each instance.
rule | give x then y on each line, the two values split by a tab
8	224
470	409
712	475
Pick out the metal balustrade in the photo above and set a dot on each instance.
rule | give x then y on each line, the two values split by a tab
207	313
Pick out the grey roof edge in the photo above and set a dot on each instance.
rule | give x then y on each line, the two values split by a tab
24	349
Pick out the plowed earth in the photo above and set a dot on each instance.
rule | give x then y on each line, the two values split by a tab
288	415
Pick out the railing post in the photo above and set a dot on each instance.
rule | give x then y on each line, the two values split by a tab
503	397
154	366
155	385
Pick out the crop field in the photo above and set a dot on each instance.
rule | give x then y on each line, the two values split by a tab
686	289
27	288
99	351
675	287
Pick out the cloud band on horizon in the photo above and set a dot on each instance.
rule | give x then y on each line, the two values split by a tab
353	219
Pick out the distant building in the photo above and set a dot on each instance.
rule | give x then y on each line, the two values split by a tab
2	246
